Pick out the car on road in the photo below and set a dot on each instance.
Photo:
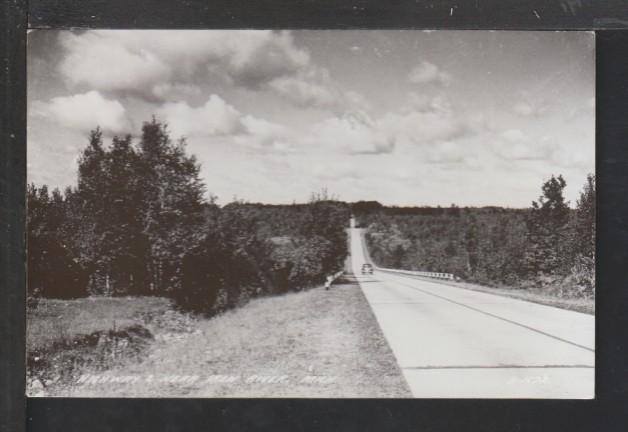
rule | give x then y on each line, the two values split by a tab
367	269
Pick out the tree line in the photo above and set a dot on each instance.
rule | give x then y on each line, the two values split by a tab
138	222
548	245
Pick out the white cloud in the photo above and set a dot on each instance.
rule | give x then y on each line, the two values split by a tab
154	63
176	91
266	135
447	152
427	129
337	170
584	110
215	117
515	145
353	133
514	135
427	72
174	66
258	58
215	86
261	127
421	128
101	62
567	153
84	112
303	92
419	102
218	118
523	109
314	88
433	137
527	109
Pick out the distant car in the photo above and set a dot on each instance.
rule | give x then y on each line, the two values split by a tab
367	269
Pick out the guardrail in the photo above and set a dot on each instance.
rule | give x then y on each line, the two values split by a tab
331	278
434	275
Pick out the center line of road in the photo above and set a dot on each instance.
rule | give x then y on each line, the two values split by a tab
495	316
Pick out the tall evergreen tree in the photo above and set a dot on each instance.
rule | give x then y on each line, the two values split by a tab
547	230
585	219
584	236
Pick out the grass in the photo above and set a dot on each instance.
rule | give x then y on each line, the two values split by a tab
542	296
54	320
66	338
314	343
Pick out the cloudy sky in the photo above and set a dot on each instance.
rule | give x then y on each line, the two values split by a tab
403	117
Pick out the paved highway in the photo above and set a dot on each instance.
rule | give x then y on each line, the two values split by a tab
451	342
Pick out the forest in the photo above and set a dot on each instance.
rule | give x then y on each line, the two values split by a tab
549	245
139	223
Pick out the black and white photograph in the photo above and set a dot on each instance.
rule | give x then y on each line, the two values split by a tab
311	214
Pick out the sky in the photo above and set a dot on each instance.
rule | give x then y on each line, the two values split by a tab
402	117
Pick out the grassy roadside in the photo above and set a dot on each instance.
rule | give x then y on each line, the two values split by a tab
66	338
53	320
534	295
537	295
314	343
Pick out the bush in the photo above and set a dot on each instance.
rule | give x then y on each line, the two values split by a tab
254	249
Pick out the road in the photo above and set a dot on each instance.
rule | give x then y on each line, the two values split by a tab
452	342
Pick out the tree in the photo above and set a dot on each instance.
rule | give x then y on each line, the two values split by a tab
471	243
171	206
584	236
53	270
135	212
137	223
123	243
547	230
398	255
89	213
327	219
585	219
360	209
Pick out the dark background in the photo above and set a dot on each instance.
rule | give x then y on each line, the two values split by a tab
606	413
